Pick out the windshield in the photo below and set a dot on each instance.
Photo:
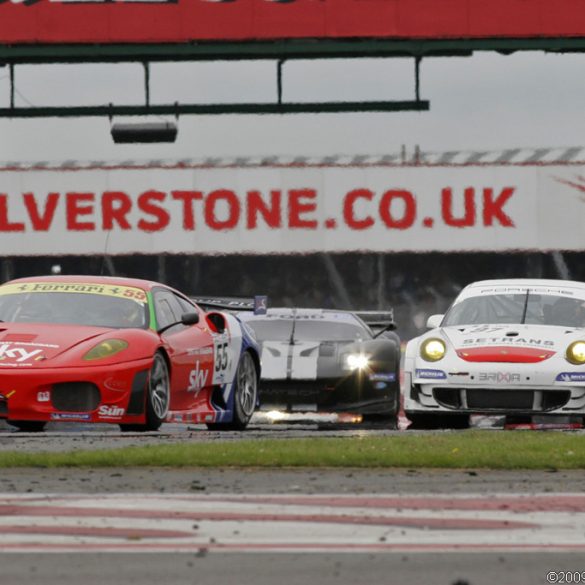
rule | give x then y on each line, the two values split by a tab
528	308
306	330
75	308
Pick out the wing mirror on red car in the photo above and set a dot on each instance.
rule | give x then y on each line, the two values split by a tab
190	318
186	319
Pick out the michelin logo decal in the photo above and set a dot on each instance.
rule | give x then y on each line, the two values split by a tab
571	377
433	374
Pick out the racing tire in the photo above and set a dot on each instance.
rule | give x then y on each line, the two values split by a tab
432	421
386	420
158	396
28	426
245	396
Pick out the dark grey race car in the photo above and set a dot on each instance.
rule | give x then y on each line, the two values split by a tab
328	360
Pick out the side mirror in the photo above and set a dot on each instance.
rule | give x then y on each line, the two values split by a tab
186	319
190	318
434	321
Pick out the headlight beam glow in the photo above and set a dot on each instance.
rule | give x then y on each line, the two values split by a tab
576	353
433	349
357	361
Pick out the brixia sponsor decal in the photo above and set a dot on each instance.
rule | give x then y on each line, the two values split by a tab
225	210
499	377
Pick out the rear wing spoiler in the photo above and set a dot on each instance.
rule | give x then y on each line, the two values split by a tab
257	304
377	320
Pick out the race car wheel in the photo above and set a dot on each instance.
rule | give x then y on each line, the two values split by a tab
158	394
389	418
427	421
245	397
28	426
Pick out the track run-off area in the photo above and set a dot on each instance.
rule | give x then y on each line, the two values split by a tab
267	525
291	523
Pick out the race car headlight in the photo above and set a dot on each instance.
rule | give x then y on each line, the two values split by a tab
105	349
357	361
576	353
433	349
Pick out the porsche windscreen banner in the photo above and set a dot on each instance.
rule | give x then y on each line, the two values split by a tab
291	210
180	21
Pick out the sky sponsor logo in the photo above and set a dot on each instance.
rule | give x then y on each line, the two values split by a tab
19	354
197	379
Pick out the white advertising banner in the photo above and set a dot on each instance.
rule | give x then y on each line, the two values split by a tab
292	210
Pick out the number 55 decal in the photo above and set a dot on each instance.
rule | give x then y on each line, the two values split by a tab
221	357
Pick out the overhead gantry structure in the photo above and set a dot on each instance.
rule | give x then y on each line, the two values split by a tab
153	31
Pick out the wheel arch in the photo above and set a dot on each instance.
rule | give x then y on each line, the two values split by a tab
256	359
162	350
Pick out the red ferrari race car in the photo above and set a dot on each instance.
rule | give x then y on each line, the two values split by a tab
118	350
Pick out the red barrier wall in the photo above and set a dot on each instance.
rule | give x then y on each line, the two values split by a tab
161	21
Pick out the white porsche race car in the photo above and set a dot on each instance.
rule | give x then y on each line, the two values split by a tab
504	347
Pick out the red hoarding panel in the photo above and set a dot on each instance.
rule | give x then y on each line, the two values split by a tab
291	210
178	21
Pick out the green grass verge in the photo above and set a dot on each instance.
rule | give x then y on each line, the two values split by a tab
471	449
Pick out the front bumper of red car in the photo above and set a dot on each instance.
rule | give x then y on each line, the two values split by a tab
99	394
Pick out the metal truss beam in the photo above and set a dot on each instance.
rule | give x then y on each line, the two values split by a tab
211	51
278	49
213	109
229	51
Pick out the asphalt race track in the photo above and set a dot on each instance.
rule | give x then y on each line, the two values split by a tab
226	526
